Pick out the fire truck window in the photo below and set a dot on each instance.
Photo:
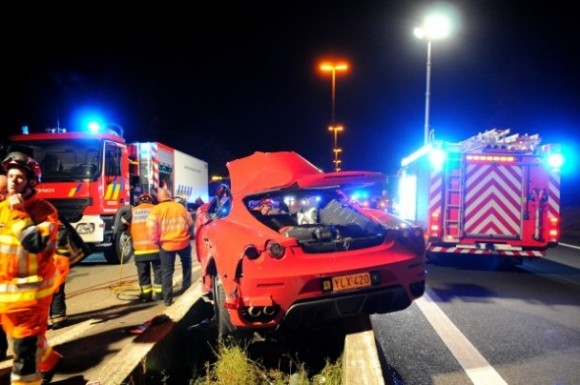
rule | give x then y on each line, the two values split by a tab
50	164
112	162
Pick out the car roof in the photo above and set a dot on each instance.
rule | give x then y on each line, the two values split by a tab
268	171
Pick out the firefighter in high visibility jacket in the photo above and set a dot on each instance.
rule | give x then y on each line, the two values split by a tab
145	251
170	226
28	234
3	338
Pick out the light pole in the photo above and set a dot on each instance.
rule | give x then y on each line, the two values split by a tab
336	129
333	68
435	26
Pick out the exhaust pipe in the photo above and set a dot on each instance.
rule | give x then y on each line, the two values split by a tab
269	310
254	312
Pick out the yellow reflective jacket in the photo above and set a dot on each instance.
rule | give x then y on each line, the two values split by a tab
142	244
169	225
27	245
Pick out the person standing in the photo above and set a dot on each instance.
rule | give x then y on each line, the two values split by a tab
146	252
28	229
169	225
3	337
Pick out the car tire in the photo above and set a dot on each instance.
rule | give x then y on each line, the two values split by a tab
221	314
225	330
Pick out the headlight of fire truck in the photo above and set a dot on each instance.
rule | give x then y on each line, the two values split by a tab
91	228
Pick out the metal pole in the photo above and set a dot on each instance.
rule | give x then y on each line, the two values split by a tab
333	93
427	92
335	155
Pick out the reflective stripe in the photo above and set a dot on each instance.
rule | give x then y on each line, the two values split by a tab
20	224
13	296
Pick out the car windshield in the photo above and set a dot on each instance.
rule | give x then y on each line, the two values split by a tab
64	160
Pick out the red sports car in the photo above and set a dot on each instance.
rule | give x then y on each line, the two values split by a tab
285	246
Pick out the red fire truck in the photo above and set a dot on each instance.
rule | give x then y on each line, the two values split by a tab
92	178
492	194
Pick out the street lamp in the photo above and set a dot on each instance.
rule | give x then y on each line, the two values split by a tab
435	26
333	68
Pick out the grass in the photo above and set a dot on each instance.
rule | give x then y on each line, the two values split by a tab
233	366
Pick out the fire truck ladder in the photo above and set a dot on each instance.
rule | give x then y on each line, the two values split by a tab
453	195
498	139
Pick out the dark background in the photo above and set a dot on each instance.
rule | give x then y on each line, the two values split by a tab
222	80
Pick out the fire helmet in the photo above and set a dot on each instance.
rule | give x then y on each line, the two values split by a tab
145	198
25	163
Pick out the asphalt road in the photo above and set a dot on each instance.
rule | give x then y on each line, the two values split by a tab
477	325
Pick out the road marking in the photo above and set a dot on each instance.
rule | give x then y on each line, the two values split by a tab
568	245
475	365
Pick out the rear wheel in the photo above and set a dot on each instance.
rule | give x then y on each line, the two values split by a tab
225	329
221	314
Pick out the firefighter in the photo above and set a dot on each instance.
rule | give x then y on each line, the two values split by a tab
146	252
3	338
28	234
169	225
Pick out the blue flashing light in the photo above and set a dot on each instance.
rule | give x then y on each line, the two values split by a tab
437	158
555	161
94	127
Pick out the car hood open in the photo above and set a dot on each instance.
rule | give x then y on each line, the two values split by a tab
267	171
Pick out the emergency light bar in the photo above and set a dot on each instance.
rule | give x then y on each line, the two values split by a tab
491	158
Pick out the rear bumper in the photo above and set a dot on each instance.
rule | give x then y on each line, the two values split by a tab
319	311
476	249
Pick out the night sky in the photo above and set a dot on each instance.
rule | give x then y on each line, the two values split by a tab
221	81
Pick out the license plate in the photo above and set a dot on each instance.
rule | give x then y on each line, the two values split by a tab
347	282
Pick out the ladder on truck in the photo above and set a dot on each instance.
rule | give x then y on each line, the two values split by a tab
453	193
495	139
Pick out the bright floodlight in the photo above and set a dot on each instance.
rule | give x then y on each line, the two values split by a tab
435	26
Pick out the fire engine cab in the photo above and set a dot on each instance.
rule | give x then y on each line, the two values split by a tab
492	194
93	177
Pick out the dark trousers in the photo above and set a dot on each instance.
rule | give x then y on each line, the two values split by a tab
144	269
3	343
58	305
168	267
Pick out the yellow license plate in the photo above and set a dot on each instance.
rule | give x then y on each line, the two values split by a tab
351	281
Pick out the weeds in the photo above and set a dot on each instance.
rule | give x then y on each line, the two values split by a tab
233	366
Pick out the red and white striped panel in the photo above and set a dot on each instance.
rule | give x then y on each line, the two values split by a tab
460	250
493	201
155	166
554	195
435	192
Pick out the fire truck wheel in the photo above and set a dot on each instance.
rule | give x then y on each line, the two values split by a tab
120	251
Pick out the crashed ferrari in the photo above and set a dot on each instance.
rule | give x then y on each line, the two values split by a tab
284	246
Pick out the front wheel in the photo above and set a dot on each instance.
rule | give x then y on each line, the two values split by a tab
121	250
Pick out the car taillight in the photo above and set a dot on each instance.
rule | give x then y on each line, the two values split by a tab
251	252
275	250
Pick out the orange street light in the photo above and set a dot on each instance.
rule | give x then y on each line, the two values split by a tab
333	68
335	149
